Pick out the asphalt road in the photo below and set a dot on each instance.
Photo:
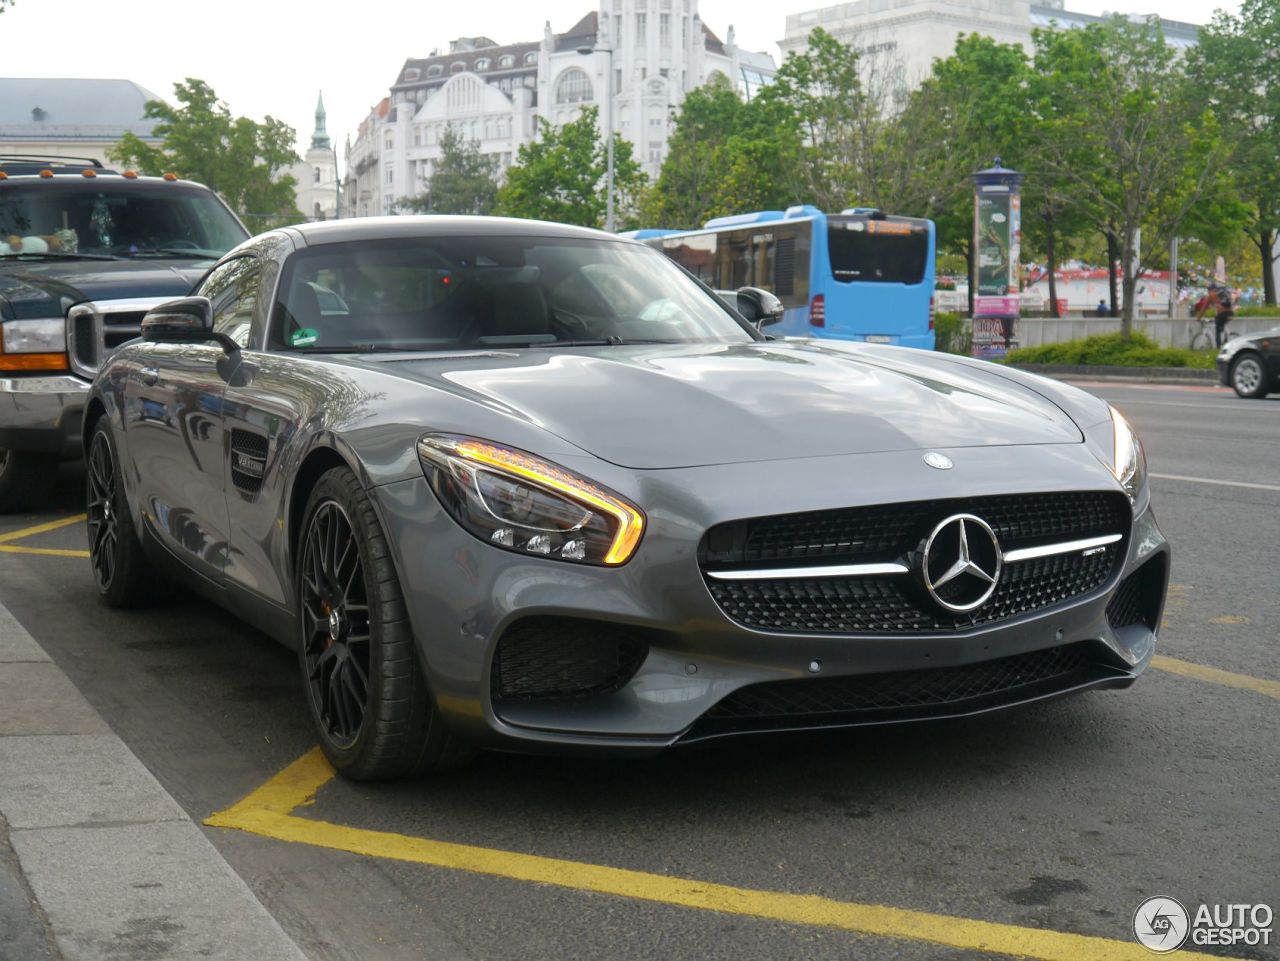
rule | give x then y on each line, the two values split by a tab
1062	817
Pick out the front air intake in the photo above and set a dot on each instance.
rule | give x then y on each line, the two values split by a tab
561	658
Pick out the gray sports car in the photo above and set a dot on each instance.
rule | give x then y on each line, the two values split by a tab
525	486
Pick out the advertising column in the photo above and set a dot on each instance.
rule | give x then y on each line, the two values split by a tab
997	243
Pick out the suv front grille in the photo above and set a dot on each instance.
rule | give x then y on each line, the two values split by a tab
94	330
897	603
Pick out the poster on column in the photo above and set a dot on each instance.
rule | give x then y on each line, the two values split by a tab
997	243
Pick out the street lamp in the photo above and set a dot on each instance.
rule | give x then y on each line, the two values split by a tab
608	83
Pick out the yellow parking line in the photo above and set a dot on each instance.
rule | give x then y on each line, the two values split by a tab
267	812
1213	675
41	528
46	551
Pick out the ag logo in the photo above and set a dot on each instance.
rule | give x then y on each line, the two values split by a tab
1161	924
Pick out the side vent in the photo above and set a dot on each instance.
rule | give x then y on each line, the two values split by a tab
248	460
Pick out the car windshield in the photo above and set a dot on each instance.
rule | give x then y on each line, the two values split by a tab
464	293
123	219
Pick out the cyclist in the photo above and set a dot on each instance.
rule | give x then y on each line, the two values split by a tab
1218	296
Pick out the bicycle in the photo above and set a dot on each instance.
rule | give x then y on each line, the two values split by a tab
1205	337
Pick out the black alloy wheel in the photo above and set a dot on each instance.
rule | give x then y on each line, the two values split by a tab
335	624
121	572
367	692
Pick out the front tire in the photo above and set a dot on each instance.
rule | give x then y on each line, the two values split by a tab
24	477
123	575
1249	376
367	694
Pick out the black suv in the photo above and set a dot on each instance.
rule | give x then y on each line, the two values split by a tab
84	252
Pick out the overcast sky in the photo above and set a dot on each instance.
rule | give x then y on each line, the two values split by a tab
273	57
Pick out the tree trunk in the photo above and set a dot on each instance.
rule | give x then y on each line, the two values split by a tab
1129	284
1267	247
1051	257
1112	256
973	277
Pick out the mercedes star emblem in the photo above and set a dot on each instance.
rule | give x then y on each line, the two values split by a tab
960	563
939	461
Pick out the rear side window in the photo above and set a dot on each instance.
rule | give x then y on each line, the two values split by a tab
877	251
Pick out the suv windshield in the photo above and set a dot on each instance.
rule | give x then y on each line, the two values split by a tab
458	293
877	251
119	218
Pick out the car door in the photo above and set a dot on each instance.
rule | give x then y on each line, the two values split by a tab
176	435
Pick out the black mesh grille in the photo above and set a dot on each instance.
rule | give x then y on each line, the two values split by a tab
248	459
912	693
1137	599
557	658
897	603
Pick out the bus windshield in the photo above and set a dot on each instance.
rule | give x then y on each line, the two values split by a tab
877	251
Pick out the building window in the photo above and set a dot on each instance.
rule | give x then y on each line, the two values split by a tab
642	26
417	138
482	64
390	142
574	86
413	73
531	57
315	179
506	60
457	66
435	70
617	28
655	151
664	29
391	175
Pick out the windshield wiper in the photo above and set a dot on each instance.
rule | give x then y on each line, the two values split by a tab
176	252
57	255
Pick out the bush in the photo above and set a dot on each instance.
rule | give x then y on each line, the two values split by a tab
952	333
1111	350
1258	310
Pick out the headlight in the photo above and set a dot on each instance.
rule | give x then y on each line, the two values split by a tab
33	344
528	505
1128	459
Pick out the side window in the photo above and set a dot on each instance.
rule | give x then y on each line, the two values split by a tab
232	288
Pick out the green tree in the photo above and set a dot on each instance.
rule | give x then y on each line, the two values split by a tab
1236	70
561	176
240	159
463	180
1122	132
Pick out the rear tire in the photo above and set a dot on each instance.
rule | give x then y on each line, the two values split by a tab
1249	375
366	691
24	477
121	572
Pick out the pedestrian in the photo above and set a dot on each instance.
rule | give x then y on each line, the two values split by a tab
1217	297
1102	308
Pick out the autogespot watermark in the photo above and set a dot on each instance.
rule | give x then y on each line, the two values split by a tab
1163	925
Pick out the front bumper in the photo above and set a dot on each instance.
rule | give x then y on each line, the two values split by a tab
1224	371
42	414
463	595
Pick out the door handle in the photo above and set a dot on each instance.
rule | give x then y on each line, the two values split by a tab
149	376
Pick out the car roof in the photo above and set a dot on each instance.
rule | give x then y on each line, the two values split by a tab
379	228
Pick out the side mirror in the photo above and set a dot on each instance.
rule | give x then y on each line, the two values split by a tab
185	321
759	306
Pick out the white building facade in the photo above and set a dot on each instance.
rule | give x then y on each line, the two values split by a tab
647	53
906	36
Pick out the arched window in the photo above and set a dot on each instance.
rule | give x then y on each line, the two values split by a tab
574	86
482	64
506	60
531	57
435	70
457	66
316	177
412	73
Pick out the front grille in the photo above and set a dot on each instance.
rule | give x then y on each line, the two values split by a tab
1137	599
560	658
897	603
94	330
900	695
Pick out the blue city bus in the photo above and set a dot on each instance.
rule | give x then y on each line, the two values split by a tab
860	274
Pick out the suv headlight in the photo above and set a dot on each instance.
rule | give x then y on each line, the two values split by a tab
39	344
525	504
1128	459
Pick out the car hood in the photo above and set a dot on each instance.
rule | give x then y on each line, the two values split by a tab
47	288
700	404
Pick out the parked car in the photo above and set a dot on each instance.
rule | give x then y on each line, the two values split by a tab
84	252
1250	365
533	487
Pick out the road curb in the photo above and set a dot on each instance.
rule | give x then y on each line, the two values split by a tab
115	866
1137	375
